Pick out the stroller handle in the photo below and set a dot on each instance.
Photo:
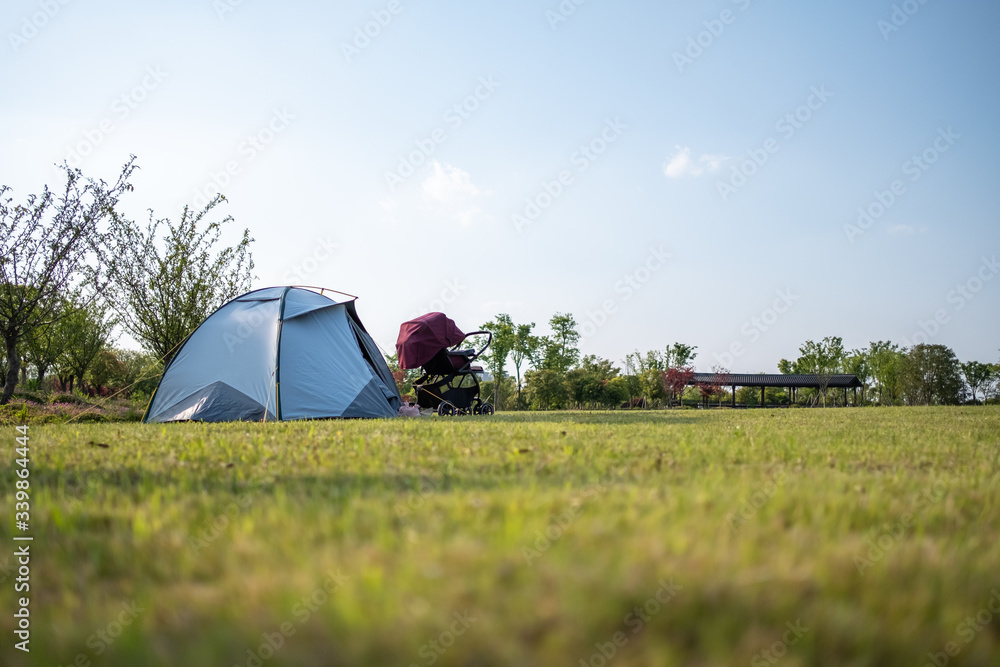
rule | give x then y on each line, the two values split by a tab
476	333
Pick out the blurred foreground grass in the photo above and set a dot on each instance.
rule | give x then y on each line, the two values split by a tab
837	537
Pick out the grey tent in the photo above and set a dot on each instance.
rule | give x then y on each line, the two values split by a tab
280	353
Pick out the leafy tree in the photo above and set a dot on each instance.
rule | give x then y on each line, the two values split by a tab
632	364
560	350
584	388
46	248
749	396
857	363
589	383
651	385
43	347
777	396
885	361
680	355
650	367
977	375
546	389
823	359
617	391
525	348
640	363
162	292
106	368
141	372
86	331
993	383
631	383
930	375
507	392
503	332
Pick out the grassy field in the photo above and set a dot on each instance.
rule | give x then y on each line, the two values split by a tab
752	537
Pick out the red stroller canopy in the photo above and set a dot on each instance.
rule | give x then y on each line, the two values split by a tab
421	338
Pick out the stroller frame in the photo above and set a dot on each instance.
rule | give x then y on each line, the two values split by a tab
450	383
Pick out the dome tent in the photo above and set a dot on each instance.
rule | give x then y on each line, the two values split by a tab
276	354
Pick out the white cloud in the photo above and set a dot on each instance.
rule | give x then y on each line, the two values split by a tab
682	164
453	191
449	184
904	230
713	161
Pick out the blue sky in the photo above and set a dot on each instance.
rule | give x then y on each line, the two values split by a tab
663	171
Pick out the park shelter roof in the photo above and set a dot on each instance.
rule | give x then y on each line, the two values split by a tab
776	380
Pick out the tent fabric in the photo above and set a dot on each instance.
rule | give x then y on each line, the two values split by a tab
423	337
280	353
371	352
238	344
325	385
219	402
300	302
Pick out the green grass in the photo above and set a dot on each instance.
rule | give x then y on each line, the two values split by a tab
514	540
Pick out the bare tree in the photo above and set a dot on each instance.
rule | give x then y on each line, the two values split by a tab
164	288
47	248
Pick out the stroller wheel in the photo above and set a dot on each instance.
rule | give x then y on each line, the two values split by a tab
486	409
446	409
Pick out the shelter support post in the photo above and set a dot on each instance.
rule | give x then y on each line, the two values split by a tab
734	395
762	397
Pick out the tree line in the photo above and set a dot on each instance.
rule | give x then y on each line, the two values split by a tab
550	373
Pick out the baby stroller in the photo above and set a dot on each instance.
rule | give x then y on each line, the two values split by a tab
450	382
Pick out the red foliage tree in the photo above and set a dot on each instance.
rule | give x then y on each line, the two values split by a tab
676	379
709	389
